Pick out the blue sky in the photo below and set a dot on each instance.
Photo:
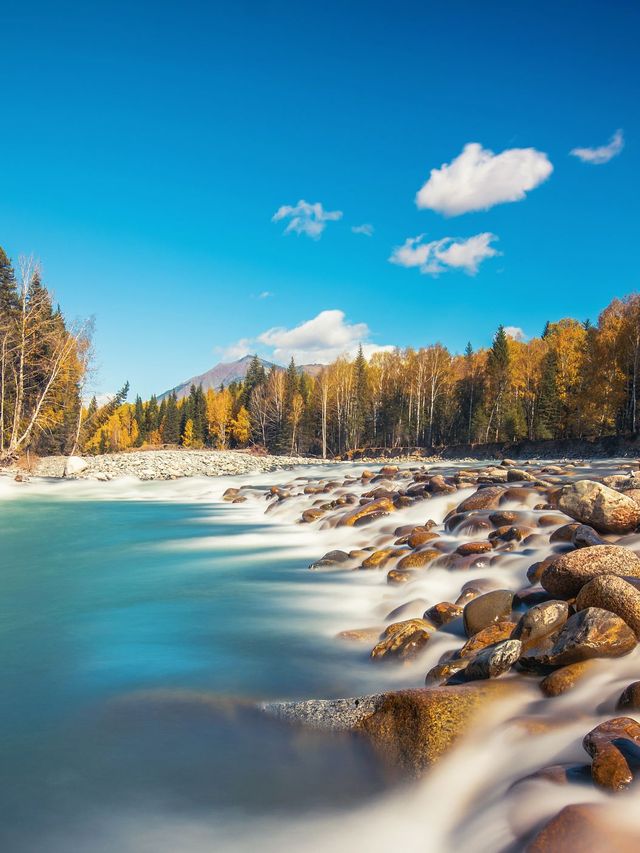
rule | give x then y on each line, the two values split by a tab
147	146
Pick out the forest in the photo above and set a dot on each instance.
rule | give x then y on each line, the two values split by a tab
577	379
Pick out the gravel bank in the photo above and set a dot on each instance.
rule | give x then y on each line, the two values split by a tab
171	464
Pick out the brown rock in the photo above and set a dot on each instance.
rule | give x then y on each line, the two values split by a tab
565	678
548	520
630	698
603	508
493	660
376	507
395	576
360	635
415	728
487	637
484	498
541	620
418	559
614	594
443	613
442	672
606	744
468	548
402	640
486	610
331	558
311	515
564	533
584	828
504	518
585	537
379	558
591	633
566	576
534	572
419	536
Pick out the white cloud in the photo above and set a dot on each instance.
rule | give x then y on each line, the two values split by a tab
305	218
265	294
319	340
365	229
235	351
446	254
479	179
604	153
516	333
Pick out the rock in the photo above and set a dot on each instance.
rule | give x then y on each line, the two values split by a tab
438	485
418	559
565	678
493	661
378	558
630	698
443	613
584	828
549	520
419	536
395	576
585	537
483	498
603	508
564	533
560	774
486	610
566	576
402	640
325	714
311	515
468	548
487	637
415	728
535	570
609	745
614	594
541	620
591	633
442	672
75	465
517	474
331	558
376	508
516	533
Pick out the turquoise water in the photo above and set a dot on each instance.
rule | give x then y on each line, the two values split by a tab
134	634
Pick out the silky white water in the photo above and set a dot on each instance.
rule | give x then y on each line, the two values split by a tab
140	624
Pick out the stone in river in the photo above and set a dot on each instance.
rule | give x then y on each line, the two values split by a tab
584	828
486	610
368	635
614	594
419	536
614	747
487	637
630	698
541	620
311	515
442	672
418	559
331	558
564	533
376	507
603	508
535	570
585	536
505	517
565	678
402	640
566	576
443	613
402	576
591	633
493	661
468	548
379	558
409	610
484	498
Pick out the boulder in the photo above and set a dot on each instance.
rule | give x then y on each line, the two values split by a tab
614	594
331	559
609	745
541	620
591	633
415	728
630	698
484	498
487	609
419	536
375	508
493	661
469	548
378	558
565	678
568	573
75	465
585	537
603	508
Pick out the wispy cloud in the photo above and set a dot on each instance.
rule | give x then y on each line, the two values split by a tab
236	350
450	253
516	333
479	179
597	156
319	340
306	218
265	294
365	229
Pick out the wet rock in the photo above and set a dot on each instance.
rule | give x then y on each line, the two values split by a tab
530	597
614	594
614	747
586	537
230	493
419	536
540	620
468	548
517	474
487	637
438	485
630	698
535	570
473	588
443	613
473	526
565	678
402	640
493	661
377	508
566	576
379	558
442	672
487	609
397	576
415	728
560	774
603	508
564	533
584	828
418	559
483	498
549	520
331	558
311	515
591	633
516	533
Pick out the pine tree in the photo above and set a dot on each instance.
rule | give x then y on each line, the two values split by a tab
8	287
549	405
139	415
498	365
171	425
255	376
361	401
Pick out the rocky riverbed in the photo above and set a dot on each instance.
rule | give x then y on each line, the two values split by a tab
546	567
166	464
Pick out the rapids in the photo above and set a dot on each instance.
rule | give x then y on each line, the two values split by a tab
142	622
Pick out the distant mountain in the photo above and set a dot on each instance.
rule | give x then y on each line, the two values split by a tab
227	372
221	374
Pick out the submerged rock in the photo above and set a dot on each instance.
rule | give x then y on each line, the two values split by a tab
487	637
418	559
603	508
568	573
443	613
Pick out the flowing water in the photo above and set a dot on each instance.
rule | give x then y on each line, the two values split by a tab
142	623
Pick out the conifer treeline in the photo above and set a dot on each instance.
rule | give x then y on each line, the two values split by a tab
575	380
